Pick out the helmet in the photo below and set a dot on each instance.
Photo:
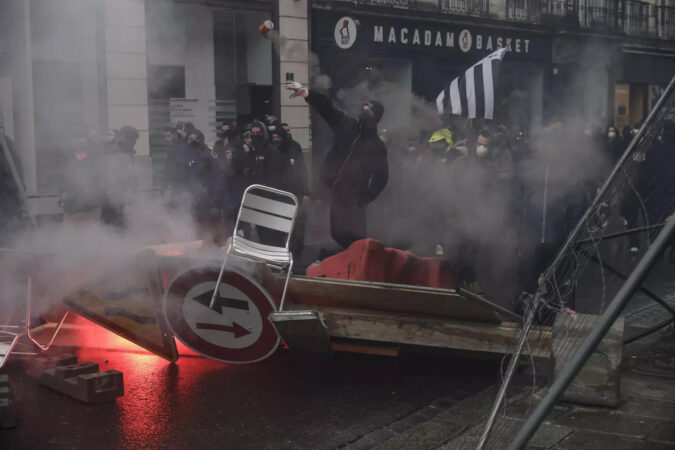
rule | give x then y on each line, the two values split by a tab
442	135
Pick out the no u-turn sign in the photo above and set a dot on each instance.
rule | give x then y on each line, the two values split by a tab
235	329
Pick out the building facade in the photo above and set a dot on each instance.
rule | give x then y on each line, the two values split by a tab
70	66
602	60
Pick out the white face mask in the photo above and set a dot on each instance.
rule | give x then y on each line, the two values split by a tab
481	150
611	135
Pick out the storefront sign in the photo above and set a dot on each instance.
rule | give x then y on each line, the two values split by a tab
370	33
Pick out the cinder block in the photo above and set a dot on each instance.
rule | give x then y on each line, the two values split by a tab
42	364
7	418
84	382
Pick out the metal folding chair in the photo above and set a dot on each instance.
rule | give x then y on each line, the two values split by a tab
10	334
268	213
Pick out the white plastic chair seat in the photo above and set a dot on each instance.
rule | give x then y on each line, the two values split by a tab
260	251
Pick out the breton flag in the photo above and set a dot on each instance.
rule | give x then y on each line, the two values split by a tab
473	94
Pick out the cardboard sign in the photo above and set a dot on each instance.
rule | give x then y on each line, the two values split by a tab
126	301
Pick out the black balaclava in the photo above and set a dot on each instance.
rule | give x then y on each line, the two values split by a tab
230	133
259	140
200	138
367	120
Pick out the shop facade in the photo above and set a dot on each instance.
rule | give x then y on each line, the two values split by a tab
416	57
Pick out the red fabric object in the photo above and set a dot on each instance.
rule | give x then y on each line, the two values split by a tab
370	260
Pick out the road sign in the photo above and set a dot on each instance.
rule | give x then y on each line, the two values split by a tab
126	301
235	329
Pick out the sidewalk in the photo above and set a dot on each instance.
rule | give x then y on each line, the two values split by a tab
644	420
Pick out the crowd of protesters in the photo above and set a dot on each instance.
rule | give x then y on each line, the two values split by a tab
475	184
451	192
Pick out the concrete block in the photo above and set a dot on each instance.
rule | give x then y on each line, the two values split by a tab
42	364
125	39
598	382
293	28
127	92
126	65
293	8
84	382
7	417
125	12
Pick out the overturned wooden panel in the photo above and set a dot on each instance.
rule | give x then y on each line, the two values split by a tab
366	349
418	300
429	332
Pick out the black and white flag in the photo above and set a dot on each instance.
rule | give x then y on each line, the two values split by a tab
473	94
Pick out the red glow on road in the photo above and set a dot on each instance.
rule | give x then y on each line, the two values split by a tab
91	335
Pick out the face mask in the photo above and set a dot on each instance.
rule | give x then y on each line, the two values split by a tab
258	140
481	151
193	143
367	120
611	135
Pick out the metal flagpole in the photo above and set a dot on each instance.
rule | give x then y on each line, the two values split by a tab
605	321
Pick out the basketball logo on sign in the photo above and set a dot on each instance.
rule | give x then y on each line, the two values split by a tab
234	329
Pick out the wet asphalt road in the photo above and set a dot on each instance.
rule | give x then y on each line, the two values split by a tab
282	402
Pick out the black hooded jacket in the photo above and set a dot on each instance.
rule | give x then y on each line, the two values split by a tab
262	165
294	174
356	168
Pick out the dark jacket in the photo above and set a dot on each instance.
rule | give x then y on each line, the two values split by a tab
202	181
82	189
177	159
263	165
294	171
356	168
232	171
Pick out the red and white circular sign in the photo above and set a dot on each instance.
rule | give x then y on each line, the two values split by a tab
233	329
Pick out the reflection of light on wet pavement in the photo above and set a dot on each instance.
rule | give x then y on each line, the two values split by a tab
159	397
91	335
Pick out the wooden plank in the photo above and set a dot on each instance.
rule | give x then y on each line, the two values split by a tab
366	349
429	332
393	298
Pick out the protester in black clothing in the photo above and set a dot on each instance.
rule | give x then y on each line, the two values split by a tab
202	188
232	159
177	157
263	162
294	180
355	169
226	134
81	195
119	177
262	165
